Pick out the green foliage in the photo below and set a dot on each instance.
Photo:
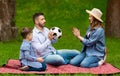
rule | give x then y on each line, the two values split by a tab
65	14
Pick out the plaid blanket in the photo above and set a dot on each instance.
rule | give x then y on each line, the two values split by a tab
13	65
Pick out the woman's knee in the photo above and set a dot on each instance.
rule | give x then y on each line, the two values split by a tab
85	64
77	59
74	63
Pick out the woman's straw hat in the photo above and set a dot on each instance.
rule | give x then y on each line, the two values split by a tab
96	13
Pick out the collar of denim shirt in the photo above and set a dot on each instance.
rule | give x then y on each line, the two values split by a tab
95	27
26	41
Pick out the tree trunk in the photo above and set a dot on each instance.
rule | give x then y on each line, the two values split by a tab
113	18
7	14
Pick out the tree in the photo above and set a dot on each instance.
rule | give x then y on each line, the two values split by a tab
113	18
7	25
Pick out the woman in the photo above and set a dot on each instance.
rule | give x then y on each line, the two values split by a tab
93	52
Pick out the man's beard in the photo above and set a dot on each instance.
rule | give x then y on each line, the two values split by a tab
40	25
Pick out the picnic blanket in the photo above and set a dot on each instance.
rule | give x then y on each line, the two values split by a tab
13	65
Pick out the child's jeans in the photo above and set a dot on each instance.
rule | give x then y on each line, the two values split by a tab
43	68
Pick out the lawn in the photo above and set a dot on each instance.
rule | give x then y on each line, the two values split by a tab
64	14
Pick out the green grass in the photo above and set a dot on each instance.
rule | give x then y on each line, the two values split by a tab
64	14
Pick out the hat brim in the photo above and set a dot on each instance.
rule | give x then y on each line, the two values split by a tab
89	12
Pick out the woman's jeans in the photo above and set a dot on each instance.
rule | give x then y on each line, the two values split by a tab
85	61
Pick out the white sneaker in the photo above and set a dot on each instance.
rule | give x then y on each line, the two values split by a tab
101	62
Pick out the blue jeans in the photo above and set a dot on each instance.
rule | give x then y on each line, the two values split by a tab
38	69
85	61
62	57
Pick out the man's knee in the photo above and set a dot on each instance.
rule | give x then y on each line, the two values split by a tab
59	60
55	60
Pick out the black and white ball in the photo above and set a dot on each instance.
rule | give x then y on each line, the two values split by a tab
57	32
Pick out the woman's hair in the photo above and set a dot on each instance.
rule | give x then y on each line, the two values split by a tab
25	31
96	23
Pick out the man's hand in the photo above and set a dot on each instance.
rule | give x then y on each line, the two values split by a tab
40	59
50	35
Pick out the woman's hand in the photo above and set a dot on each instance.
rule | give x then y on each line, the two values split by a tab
76	32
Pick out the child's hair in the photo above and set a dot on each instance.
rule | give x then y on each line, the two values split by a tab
25	31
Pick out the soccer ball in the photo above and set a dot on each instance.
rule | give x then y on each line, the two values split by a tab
56	32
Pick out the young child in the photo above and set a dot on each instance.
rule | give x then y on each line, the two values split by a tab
28	59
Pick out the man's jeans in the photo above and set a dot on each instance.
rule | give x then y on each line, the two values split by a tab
62	57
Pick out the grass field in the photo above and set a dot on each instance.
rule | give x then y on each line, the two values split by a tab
64	14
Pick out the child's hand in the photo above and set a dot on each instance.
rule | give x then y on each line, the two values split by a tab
40	59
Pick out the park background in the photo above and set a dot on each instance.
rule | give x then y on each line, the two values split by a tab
65	14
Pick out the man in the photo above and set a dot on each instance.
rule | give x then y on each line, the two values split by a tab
42	44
